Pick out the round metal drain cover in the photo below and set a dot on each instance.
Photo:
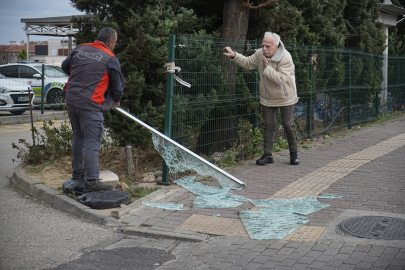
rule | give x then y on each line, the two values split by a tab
373	227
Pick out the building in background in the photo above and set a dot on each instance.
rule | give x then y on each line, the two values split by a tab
9	53
53	51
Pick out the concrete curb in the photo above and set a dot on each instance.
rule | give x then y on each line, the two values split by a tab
26	118
65	203
154	196
160	234
59	201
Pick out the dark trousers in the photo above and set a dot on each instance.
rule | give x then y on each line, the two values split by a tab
88	129
270	121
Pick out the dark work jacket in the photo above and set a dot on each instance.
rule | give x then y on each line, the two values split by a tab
95	79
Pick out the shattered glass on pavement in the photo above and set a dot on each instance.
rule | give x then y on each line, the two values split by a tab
277	219
268	224
280	217
168	206
303	206
210	196
179	160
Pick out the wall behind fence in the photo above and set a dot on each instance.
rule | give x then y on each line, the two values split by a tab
337	87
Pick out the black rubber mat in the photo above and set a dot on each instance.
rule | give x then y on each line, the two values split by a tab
105	199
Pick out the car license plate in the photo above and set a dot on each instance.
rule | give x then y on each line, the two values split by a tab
24	98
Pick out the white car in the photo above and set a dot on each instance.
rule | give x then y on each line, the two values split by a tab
30	73
14	96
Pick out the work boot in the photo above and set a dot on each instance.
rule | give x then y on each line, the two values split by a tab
95	185
294	159
265	159
78	175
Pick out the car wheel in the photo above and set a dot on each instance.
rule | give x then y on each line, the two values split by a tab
18	112
54	97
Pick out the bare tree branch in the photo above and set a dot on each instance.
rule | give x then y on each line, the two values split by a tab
250	5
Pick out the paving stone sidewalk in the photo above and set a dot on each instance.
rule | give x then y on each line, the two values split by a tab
375	188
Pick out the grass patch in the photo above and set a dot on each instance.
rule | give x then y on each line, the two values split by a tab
39	168
138	193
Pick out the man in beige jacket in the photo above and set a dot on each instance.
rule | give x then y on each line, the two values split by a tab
277	91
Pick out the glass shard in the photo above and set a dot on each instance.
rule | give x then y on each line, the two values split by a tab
211	196
267	224
167	206
303	206
329	196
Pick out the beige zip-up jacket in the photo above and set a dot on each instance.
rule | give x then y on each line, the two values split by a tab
277	80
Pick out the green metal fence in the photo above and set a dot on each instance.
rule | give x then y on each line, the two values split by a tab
337	87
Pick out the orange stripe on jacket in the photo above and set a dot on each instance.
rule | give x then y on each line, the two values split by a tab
99	45
98	95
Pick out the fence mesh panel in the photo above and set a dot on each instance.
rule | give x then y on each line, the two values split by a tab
337	87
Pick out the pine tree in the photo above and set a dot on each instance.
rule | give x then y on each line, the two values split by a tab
143	31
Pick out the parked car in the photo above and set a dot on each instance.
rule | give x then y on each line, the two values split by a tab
14	96
31	73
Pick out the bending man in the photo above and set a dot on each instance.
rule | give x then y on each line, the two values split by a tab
277	91
95	85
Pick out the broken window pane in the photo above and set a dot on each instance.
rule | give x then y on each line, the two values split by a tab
179	160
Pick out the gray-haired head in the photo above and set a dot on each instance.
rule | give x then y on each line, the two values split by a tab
106	34
274	35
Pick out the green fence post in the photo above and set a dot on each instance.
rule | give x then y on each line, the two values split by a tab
255	92
169	102
309	104
43	88
349	97
376	93
398	83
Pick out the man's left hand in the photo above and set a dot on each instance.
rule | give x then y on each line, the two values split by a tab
265	62
117	104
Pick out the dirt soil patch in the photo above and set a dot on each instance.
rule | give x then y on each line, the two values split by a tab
53	174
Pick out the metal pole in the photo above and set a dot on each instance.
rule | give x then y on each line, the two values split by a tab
309	104
349	97
169	103
376	93
32	120
43	89
179	145
398	83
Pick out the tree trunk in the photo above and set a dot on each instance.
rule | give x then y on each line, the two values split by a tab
218	133
235	20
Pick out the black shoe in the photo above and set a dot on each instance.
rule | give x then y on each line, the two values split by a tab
96	185
78	175
265	159
294	159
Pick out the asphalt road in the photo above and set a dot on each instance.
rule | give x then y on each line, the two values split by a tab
34	235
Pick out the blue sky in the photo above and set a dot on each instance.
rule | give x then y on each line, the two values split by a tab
12	11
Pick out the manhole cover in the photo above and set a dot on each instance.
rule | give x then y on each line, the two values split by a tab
373	227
